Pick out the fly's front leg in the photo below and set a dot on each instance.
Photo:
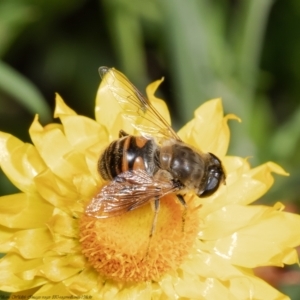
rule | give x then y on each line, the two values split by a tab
179	186
182	201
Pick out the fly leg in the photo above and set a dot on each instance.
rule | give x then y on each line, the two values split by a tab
182	201
155	206
122	133
179	186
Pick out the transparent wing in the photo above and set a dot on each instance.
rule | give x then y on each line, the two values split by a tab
141	113
126	192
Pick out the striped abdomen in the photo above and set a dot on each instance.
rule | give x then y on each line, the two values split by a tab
127	153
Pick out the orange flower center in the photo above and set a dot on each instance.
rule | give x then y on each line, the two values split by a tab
120	248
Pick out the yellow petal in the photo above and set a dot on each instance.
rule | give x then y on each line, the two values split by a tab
14	273
243	184
107	110
110	289
24	294
64	246
81	132
24	242
207	288
86	136
115	88
57	152
92	155
253	242
138	291
189	286
83	282
158	104
86	186
208	131
253	288
5	235
249	186
61	108
59	193
239	283
121	291
24	211
51	290
235	166
64	225
62	267
12	283
19	161
14	263
219	223
207	264
263	172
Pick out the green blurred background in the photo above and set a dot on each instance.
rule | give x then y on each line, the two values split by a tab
247	52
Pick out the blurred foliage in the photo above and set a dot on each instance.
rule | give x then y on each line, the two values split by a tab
246	52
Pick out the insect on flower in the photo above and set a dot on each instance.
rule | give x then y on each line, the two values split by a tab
143	169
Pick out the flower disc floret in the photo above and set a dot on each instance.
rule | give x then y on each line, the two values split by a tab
121	247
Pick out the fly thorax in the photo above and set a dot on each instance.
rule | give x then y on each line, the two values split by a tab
184	163
165	156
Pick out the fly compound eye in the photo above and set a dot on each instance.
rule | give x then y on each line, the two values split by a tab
215	176
213	182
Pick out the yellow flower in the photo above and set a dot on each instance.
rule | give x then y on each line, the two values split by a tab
55	250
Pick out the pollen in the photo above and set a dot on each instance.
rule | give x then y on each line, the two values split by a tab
120	248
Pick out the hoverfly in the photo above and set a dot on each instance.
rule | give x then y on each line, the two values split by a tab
142	169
